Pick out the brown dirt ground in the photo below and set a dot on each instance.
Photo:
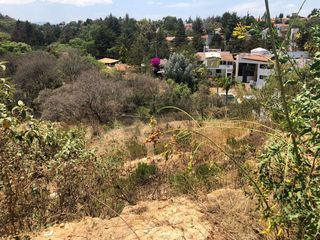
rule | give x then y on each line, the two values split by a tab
226	214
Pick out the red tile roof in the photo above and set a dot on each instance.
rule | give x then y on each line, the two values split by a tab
226	56
255	57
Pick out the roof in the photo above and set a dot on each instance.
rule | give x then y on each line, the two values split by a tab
255	57
108	60
212	54
188	26
260	51
170	39
226	56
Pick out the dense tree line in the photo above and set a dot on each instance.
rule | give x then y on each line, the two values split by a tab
136	41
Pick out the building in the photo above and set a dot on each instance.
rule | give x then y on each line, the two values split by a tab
253	68
110	62
301	58
294	35
282	29
220	64
188	26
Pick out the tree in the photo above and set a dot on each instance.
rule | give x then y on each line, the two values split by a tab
198	43
314	12
51	33
197	26
240	31
180	37
149	41
71	64
126	39
69	31
229	22
170	25
226	83
35	72
180	69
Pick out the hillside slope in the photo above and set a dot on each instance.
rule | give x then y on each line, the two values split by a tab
226	214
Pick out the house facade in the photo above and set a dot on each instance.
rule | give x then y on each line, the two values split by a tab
220	64
252	68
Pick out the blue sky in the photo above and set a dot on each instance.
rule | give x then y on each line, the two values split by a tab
67	10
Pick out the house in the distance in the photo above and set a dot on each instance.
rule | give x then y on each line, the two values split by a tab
282	29
253	68
109	62
220	64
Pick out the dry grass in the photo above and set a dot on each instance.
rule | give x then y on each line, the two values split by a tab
223	214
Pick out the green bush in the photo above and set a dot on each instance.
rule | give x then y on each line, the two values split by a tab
201	177
135	149
143	173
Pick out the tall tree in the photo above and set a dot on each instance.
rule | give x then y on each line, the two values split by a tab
197	26
181	37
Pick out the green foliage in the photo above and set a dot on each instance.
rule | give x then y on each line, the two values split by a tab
6	87
180	90
5	36
201	177
289	179
43	170
143	173
126	188
180	36
14	47
226	83
180	69
135	149
6	24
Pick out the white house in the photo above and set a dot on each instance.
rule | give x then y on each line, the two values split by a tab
219	63
253	68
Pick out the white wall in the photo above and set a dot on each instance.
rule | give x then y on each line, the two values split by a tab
259	83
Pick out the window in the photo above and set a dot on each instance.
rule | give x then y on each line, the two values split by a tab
263	77
218	71
264	66
247	69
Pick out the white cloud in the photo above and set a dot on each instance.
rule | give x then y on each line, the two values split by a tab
71	2
180	5
154	3
257	7
16	1
253	7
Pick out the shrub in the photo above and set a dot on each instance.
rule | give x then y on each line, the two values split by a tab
71	64
90	98
44	171
180	69
143	173
201	177
135	149
14	47
47	174
35	71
